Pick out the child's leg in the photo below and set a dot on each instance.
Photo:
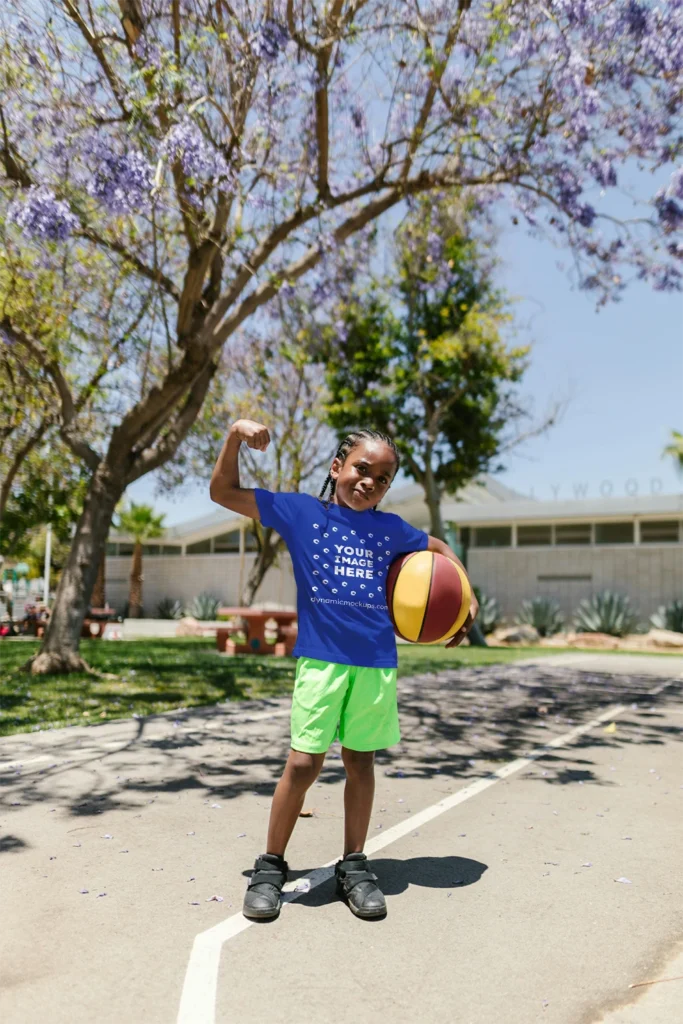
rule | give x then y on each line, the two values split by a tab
359	794
300	773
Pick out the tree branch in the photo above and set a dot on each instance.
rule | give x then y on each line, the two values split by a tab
67	429
94	44
19	458
151	458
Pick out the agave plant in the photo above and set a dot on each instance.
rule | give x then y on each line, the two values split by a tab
606	612
169	609
204	607
543	613
489	612
669	616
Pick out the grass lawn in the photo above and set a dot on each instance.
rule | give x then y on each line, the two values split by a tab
163	675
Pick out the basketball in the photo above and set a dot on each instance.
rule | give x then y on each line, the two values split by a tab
428	596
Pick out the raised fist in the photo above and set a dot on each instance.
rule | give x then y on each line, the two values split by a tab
255	435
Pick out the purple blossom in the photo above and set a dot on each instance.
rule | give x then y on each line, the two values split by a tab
121	182
42	216
670	213
201	162
636	18
270	39
604	172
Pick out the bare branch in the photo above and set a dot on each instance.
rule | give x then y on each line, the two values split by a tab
151	458
96	47
67	427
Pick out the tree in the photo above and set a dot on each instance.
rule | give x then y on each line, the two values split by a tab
139	522
269	376
424	358
218	153
675	448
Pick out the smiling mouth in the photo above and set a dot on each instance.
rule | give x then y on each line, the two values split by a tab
362	495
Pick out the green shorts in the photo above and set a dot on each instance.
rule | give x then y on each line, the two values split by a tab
357	704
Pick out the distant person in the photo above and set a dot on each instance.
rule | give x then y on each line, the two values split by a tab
341	548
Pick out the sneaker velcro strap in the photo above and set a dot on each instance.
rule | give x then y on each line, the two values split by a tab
352	878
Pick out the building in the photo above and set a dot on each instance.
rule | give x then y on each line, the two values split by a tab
514	548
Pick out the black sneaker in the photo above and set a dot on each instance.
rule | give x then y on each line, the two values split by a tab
357	886
262	898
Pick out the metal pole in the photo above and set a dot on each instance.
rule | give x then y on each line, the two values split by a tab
46	569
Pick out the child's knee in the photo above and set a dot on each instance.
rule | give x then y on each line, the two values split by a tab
359	762
304	768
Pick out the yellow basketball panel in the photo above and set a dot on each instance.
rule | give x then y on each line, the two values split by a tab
411	592
464	608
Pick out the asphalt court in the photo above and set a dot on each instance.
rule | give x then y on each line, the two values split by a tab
505	903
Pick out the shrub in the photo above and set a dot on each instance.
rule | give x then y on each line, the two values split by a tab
204	607
543	613
606	612
669	616
489	612
170	609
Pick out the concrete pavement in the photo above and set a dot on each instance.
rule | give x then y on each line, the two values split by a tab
540	897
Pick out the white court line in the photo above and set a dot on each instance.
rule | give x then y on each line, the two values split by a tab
198	997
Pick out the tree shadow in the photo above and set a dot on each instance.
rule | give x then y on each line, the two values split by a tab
458	725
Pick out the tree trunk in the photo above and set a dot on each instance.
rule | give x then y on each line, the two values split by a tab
135	593
99	594
59	650
270	548
433	499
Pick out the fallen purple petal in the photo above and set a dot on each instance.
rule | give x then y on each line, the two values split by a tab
626	881
189	833
107	836
215	899
241	835
84	891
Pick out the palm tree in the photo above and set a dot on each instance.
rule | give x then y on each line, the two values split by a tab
140	523
675	449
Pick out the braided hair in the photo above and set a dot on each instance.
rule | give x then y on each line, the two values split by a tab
346	447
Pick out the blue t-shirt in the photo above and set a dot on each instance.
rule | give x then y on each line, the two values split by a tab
341	559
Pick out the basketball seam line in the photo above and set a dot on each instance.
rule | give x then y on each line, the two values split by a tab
424	614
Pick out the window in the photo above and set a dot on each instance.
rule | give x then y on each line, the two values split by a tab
529	536
126	549
168	549
112	549
465	536
227	542
573	533
614	533
659	531
493	537
150	549
202	547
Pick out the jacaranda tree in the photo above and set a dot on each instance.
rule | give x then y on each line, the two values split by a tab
220	151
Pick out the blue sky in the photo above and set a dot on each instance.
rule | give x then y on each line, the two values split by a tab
620	371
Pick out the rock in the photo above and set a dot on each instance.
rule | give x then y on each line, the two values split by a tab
516	635
601	641
665	638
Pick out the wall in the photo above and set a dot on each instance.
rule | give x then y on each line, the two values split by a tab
184	577
649	575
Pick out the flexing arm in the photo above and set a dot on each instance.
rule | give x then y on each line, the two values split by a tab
225	488
435	544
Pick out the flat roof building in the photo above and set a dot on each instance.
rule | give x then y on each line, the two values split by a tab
514	547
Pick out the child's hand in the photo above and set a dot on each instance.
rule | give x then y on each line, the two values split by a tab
467	624
255	435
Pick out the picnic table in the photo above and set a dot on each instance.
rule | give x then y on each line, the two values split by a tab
253	621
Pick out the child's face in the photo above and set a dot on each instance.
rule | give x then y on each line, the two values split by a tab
365	477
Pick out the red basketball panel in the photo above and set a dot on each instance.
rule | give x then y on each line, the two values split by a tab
445	600
392	576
